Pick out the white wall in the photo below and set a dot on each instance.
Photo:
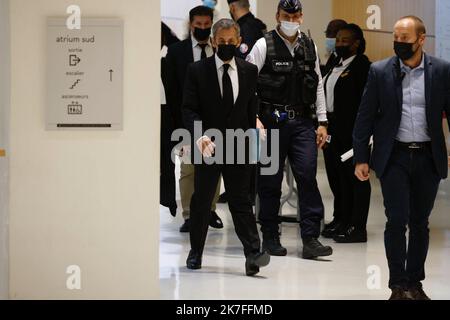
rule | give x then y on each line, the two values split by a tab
317	15
85	198
4	143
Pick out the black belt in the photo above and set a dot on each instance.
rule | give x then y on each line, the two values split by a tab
413	145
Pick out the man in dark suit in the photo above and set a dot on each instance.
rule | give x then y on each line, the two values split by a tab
402	108
179	57
252	29
220	93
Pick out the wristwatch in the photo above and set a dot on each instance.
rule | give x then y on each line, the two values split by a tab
323	124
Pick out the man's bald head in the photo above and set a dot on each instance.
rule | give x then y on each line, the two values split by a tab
412	22
410	29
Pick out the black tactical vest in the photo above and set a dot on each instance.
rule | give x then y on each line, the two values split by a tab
287	80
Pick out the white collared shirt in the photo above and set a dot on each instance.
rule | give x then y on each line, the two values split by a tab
332	78
258	57
197	51
232	72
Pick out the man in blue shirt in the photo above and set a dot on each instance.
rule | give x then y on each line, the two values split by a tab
402	108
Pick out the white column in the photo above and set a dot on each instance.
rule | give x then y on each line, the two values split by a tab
4	144
85	198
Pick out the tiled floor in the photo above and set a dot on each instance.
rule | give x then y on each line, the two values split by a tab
343	276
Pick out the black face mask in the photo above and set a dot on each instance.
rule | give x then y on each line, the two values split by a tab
343	52
202	34
226	52
404	50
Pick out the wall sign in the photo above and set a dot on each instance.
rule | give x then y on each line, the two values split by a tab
85	75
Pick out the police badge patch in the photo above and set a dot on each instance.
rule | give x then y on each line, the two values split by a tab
243	48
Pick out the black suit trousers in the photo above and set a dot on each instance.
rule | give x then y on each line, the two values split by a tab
351	196
237	179
409	185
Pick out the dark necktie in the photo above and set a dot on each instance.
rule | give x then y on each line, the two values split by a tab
203	47
228	98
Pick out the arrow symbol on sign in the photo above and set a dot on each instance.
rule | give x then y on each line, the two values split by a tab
111	74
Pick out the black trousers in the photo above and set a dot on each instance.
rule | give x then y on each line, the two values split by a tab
332	170
351	196
409	185
167	167
237	184
298	143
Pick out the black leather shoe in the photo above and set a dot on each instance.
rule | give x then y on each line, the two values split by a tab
215	221
194	261
399	294
331	225
352	235
272	245
185	228
418	294
312	248
331	231
223	198
256	261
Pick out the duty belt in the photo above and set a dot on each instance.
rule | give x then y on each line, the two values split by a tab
293	111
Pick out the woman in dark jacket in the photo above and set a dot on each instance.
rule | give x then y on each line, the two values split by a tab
344	86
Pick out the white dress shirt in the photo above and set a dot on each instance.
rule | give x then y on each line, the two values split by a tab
197	51
332	78
232	72
258	57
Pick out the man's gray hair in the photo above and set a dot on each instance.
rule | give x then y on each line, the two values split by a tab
226	24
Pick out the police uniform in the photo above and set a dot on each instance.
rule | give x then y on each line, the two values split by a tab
252	29
291	95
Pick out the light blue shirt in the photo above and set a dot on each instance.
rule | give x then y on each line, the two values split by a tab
413	125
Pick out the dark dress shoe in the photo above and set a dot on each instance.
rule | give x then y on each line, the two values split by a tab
312	248
194	261
418	294
352	235
256	261
223	198
332	225
399	294
272	245
215	221
331	231
185	228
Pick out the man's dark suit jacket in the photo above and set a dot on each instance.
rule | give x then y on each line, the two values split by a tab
179	57
347	99
381	111
203	99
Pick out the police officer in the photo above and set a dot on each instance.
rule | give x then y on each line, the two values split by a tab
252	29
291	96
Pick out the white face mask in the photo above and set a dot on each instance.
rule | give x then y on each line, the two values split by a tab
289	28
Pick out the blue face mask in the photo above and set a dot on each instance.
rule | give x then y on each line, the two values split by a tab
330	45
209	3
